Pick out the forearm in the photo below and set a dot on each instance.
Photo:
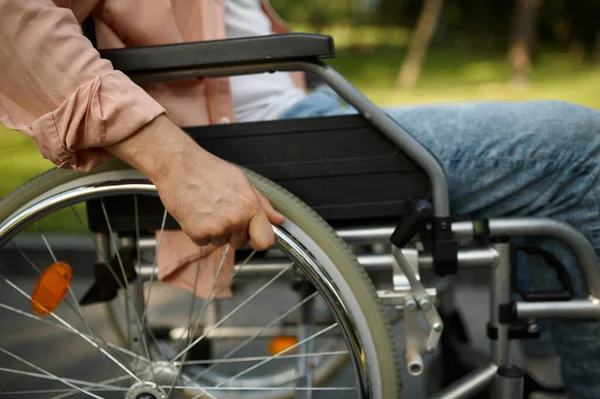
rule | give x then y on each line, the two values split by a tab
158	148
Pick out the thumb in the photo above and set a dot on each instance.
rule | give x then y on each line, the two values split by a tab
273	216
260	232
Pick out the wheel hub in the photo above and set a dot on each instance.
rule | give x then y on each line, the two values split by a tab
145	390
160	372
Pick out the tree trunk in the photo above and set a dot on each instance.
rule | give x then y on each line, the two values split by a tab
523	39
419	43
597	48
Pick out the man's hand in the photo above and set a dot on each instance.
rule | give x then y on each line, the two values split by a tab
212	200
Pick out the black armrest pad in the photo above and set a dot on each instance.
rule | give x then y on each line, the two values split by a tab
216	53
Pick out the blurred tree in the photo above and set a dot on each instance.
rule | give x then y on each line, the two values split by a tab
394	12
596	54
419	44
490	26
523	38
317	13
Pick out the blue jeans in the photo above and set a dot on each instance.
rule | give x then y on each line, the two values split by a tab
538	158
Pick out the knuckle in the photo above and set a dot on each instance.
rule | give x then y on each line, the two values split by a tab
237	220
253	205
198	237
218	242
207	230
234	216
216	229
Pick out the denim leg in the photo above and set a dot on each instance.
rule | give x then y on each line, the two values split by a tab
538	158
526	159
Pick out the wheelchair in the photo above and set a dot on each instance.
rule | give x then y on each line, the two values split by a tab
367	214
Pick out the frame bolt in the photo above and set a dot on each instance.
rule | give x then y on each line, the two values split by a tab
437	327
425	304
532	328
409	304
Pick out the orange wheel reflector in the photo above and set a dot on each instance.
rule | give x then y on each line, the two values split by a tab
281	343
51	288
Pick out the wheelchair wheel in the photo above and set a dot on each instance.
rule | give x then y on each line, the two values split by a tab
74	350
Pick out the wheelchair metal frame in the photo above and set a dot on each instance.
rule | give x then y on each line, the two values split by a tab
408	294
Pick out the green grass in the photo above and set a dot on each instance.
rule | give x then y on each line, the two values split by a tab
448	76
19	160
452	77
360	36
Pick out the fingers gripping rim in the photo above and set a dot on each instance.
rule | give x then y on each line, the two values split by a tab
366	304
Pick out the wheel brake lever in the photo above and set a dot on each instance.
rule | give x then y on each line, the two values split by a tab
418	341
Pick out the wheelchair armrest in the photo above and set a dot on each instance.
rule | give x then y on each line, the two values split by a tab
220	53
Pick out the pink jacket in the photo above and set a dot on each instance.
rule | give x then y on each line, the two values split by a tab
55	88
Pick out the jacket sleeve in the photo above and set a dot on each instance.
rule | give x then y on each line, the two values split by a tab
55	88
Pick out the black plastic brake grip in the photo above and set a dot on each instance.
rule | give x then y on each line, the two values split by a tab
440	238
412	223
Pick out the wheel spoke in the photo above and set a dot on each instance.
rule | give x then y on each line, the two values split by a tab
27	259
104	259
146	303
228	315
155	263
40	391
257	358
74	330
257	334
73	392
277	355
127	292
137	228
46	242
304	329
191	312
154	267
282	389
48	322
184	352
209	299
138	261
75	307
49	374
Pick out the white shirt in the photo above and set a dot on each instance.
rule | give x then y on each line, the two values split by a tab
262	96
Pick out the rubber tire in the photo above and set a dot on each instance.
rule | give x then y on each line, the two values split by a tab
308	221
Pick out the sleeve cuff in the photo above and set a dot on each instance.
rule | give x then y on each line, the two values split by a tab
102	112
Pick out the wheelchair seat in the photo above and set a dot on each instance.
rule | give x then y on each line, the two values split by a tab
340	165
